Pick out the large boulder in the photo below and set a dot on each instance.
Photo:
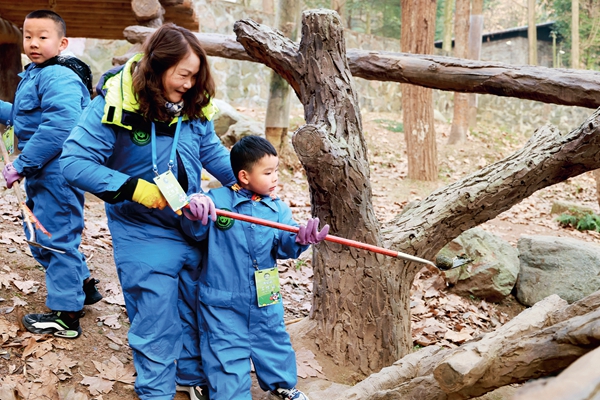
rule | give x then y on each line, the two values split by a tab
567	267
492	272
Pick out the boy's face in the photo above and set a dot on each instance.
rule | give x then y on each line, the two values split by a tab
263	176
42	39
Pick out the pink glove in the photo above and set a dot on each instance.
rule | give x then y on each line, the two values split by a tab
200	207
10	175
309	235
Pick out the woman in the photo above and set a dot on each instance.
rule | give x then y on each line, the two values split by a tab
152	119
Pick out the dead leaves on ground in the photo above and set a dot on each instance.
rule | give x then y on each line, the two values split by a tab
109	372
444	318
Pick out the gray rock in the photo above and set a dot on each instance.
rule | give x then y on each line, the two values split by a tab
555	265
231	125
493	271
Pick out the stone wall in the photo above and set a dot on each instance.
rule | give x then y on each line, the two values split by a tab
246	84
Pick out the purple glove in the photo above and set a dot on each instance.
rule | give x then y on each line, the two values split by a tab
309	235
200	208
10	175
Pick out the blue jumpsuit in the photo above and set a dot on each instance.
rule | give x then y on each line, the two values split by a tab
234	329
157	264
47	105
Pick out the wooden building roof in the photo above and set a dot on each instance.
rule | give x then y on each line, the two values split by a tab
100	19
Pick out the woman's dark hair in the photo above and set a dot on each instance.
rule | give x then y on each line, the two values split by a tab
41	14
248	151
167	46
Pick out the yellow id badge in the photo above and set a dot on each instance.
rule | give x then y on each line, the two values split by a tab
172	190
267	286
9	141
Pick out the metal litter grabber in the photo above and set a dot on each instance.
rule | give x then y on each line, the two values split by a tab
329	238
28	216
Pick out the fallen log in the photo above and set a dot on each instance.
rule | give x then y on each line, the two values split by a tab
548	85
581	381
543	339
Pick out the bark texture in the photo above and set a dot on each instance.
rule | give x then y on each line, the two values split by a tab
418	31
548	85
541	340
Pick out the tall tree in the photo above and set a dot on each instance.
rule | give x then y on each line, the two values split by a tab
447	35
278	105
460	121
575	34
475	34
417	36
532	32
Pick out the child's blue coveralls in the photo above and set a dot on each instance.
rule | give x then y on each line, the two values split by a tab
234	329
47	105
157	265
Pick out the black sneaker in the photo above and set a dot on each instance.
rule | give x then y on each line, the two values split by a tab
92	295
58	323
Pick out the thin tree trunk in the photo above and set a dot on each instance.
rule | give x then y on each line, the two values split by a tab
460	121
418	32
575	34
278	105
475	33
532	32
447	42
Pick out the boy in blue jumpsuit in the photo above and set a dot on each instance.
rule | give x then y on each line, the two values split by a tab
240	308
115	152
47	105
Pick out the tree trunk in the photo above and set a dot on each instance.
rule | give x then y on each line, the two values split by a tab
575	34
447	42
532	32
418	32
475	33
541	340
460	121
354	313
548	85
278	105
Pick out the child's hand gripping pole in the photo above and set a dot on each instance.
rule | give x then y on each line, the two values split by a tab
330	238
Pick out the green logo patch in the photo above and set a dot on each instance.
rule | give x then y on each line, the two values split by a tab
224	223
140	138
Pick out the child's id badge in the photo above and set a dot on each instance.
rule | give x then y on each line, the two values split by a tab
267	286
172	190
9	141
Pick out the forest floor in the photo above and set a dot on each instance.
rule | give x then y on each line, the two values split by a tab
98	365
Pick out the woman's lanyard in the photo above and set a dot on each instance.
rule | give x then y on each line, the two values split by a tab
173	148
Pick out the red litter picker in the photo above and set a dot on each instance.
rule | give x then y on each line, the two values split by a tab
329	238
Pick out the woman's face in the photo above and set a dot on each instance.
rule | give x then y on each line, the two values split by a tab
181	77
